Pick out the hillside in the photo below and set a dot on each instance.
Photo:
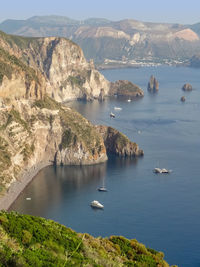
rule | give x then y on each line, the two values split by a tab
32	241
126	42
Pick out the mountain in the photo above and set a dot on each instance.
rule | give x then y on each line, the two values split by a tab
127	42
33	241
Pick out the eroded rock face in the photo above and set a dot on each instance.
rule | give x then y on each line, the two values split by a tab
153	85
117	143
61	62
125	88
43	131
187	87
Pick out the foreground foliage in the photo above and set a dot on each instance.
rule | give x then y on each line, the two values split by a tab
32	241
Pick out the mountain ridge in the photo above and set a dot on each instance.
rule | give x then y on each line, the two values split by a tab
127	41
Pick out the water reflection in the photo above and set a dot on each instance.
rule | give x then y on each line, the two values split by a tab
53	185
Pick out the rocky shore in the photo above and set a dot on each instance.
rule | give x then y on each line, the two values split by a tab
18	186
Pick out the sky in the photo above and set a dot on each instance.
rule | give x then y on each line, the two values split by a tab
172	11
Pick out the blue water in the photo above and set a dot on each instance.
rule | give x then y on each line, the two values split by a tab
161	211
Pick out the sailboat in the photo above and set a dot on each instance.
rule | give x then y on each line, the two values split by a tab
102	188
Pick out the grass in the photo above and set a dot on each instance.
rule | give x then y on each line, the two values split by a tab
32	241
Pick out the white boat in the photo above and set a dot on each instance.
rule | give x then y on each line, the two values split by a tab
112	115
28	198
117	108
158	170
96	204
102	189
129	100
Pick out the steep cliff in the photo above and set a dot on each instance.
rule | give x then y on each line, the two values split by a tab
61	62
117	143
38	131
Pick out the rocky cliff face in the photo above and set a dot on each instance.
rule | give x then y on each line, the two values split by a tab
117	143
61	62
43	131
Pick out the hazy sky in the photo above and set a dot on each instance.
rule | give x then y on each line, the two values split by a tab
178	11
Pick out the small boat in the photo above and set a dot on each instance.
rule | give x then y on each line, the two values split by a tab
28	198
112	115
158	170
117	108
96	204
129	100
102	189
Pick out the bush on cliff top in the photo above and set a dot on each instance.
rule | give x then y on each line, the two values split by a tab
32	241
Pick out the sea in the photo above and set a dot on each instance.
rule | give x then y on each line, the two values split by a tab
160	210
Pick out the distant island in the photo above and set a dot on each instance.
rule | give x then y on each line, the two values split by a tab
124	43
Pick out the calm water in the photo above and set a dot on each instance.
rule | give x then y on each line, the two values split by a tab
162	211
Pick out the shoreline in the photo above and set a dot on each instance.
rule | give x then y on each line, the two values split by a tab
18	186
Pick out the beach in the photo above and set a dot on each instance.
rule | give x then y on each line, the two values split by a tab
18	186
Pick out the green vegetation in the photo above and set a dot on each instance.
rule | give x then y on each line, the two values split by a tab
47	103
77	128
77	80
10	63
27	151
5	156
32	241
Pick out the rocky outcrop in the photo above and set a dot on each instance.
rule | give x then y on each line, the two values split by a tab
61	63
153	85
38	131
187	87
126	89
117	143
182	99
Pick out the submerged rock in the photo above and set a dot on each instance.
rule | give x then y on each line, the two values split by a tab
187	87
153	85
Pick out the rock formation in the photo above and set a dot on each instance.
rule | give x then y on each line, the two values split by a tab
36	130
126	89
153	85
187	87
117	143
61	63
182	99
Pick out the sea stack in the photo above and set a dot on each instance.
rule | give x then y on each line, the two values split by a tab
187	87
182	99
153	85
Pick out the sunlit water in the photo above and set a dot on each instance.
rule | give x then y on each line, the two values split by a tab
161	211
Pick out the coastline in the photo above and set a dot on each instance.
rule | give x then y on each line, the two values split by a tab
18	186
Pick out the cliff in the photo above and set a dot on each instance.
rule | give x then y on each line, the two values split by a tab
38	131
117	143
36	241
62	64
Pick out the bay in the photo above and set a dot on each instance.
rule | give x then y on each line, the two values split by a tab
161	211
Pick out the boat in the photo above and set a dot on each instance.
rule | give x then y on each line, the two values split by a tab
112	115
96	204
117	108
129	100
158	170
102	189
28	198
